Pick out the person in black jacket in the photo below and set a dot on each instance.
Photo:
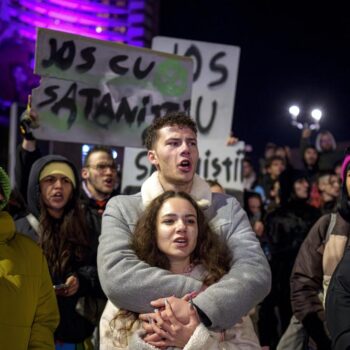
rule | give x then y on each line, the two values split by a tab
338	304
100	180
285	228
57	223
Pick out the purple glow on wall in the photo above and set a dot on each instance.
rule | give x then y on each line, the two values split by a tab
90	7
70	15
131	22
121	21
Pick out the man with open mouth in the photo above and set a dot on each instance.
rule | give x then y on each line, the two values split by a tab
133	285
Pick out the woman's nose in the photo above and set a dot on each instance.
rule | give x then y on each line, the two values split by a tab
58	183
180	225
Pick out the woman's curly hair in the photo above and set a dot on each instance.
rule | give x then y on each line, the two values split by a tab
210	251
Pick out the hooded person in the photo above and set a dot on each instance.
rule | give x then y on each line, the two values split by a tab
310	158
57	224
28	307
42	168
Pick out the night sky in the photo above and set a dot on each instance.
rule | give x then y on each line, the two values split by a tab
291	52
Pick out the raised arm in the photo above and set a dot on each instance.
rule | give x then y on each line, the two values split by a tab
304	140
27	152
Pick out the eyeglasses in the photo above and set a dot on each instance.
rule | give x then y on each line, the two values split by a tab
101	168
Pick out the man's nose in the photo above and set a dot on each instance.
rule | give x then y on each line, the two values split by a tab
108	170
185	147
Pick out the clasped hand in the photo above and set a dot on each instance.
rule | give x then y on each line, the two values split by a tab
172	323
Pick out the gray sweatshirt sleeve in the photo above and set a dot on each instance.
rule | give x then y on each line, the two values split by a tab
131	284
128	282
249	279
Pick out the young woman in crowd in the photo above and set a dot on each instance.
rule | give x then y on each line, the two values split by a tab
173	234
57	224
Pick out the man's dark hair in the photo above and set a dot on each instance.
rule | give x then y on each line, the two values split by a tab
213	183
170	119
249	161
272	159
96	149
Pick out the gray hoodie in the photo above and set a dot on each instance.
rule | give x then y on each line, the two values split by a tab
131	284
33	192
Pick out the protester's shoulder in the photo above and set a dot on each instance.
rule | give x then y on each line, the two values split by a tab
222	199
123	200
320	227
28	245
22	224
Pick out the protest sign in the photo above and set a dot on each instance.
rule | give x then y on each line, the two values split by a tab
94	91
216	161
214	83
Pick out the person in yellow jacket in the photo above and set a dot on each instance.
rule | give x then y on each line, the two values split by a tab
28	307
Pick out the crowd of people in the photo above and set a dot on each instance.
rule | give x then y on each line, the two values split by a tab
179	265
300	217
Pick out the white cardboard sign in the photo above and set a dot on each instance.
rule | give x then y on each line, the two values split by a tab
216	161
214	83
101	92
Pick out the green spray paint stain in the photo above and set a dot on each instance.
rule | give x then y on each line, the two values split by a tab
171	78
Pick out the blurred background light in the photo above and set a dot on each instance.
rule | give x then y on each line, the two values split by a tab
294	111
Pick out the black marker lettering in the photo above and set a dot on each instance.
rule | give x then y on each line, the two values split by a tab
227	163
125	110
113	64
68	102
216	165
220	68
87	55
205	129
140	166
193	51
62	58
90	94
49	91
139	74
104	114
142	113
207	154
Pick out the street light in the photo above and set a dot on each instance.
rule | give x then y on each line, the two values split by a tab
316	115
294	111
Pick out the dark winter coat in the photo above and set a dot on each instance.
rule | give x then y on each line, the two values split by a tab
307	278
73	327
338	304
